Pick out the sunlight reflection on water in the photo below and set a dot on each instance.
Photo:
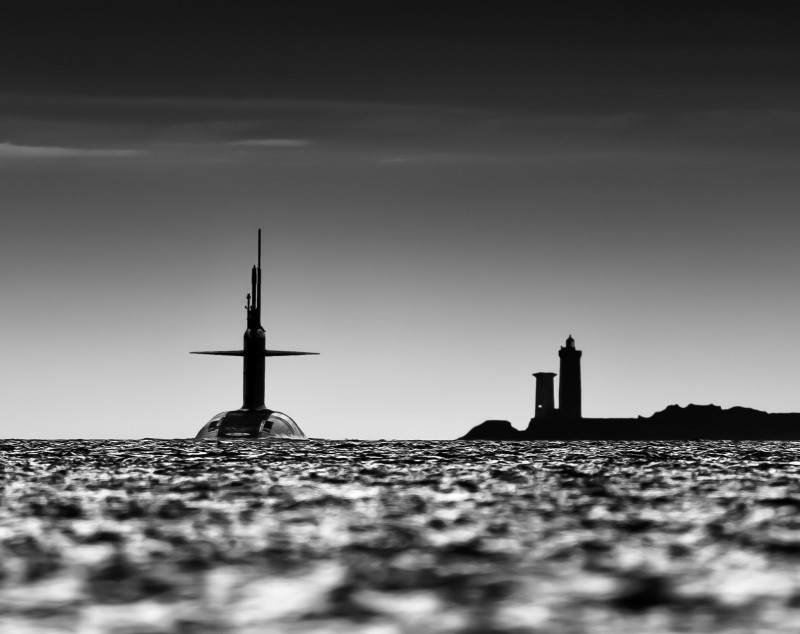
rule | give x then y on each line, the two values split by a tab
401	536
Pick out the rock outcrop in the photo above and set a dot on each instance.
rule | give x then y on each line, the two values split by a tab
707	422
494	430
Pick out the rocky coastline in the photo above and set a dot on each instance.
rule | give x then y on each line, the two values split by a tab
693	422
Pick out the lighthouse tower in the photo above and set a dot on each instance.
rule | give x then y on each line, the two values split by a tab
569	384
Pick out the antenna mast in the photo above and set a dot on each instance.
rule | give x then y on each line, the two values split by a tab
258	302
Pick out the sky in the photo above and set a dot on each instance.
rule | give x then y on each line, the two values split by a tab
447	191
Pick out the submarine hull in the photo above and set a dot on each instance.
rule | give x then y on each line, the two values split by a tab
243	424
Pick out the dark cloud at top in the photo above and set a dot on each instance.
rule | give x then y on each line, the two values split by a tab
575	55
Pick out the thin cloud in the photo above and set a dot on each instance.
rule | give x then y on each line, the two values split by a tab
385	132
12	151
271	143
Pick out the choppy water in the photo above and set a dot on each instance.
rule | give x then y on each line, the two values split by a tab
383	537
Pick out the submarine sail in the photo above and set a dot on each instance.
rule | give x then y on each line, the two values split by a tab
253	420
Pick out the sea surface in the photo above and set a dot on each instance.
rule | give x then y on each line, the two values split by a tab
158	536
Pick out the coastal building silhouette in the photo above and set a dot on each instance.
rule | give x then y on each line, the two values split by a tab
545	401
569	383
707	422
569	386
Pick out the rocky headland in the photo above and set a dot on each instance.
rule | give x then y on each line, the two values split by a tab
707	422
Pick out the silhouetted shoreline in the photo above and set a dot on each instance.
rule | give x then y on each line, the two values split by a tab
705	422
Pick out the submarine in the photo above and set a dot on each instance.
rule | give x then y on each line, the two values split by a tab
254	420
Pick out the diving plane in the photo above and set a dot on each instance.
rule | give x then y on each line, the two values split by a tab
253	420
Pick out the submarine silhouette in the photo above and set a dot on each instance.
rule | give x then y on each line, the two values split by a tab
253	420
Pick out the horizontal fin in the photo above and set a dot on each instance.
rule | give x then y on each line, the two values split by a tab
284	353
267	353
224	353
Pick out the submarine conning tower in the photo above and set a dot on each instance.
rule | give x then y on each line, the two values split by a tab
569	383
254	344
254	419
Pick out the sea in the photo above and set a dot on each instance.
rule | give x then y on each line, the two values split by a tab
383	537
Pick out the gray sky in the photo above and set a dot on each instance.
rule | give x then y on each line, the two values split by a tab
445	197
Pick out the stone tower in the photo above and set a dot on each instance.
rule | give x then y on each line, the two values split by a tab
545	402
569	384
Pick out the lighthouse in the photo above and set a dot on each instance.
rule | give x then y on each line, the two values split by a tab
569	384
